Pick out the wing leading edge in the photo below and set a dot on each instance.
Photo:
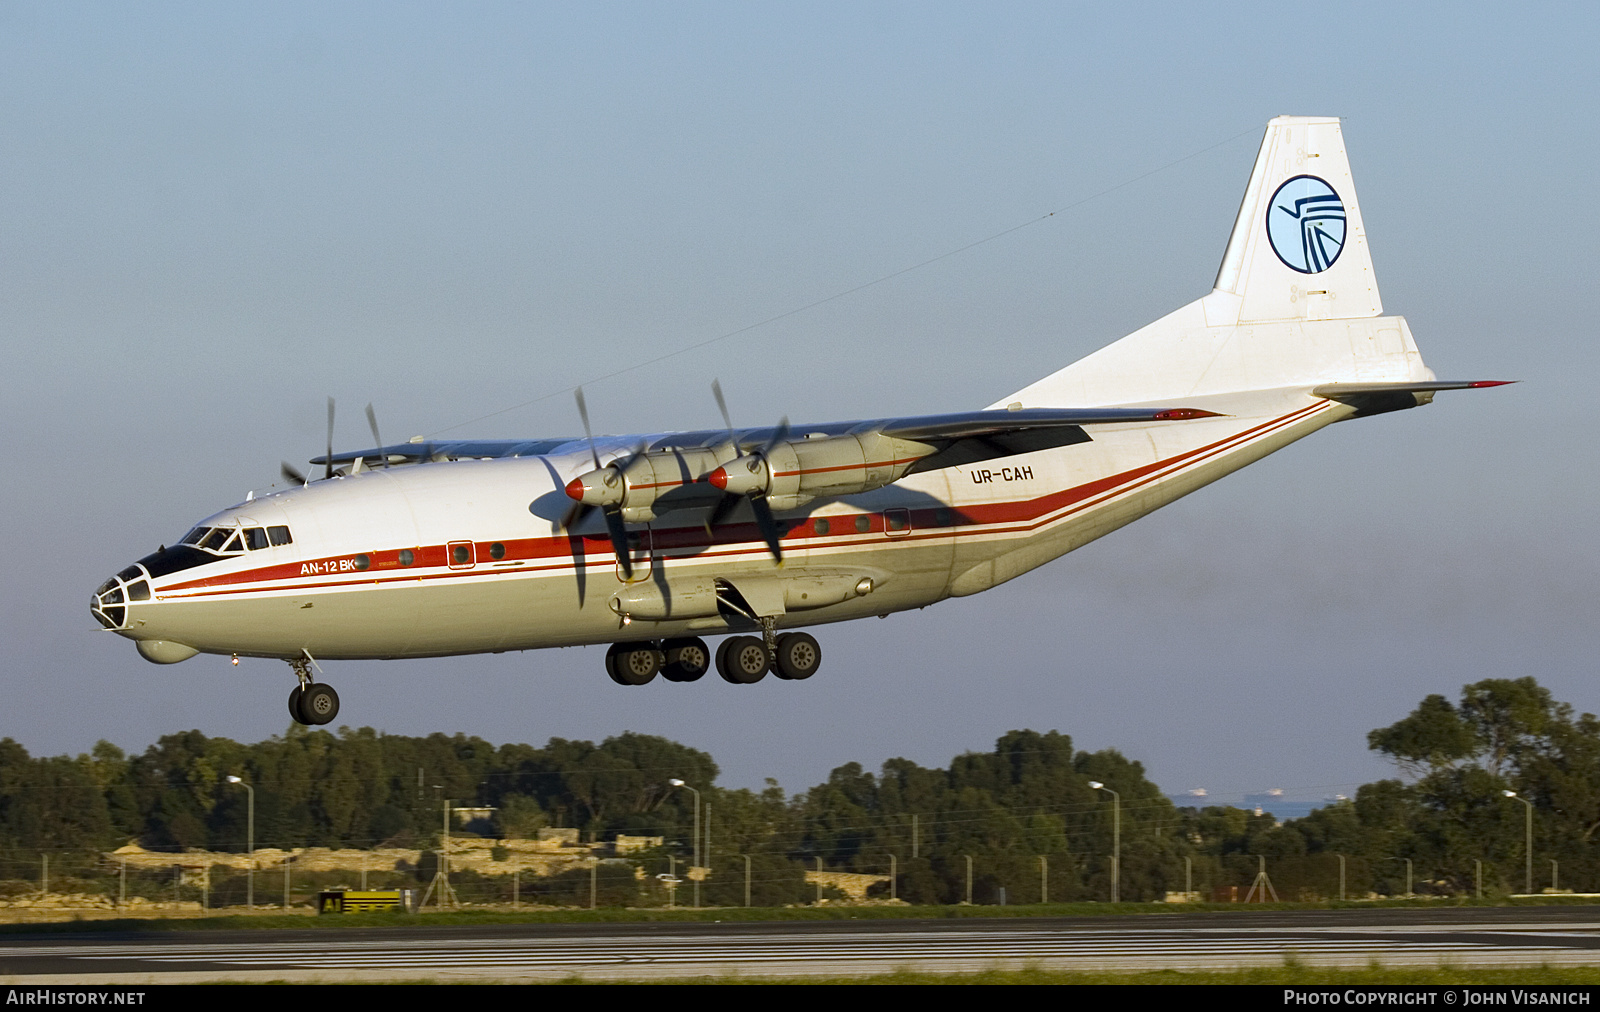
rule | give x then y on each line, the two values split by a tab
1024	428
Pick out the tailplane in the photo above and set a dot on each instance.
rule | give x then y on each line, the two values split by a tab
1295	302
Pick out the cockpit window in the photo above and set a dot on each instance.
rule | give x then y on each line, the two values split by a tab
214	539
230	540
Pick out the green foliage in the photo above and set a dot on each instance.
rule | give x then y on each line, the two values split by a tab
1450	817
1023	812
519	817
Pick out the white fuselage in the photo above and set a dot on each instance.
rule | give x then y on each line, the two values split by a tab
455	557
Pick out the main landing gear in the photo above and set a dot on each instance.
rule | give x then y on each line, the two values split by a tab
311	702
742	660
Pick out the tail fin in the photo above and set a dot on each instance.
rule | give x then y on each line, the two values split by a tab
1298	249
1295	301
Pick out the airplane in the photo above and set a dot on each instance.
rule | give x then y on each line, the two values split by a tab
650	543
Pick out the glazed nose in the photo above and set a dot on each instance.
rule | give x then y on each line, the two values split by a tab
109	605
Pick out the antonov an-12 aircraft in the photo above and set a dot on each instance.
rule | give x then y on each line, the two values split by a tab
651	542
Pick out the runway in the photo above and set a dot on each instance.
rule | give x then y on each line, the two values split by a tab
645	952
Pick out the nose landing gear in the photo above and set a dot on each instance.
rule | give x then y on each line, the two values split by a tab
311	703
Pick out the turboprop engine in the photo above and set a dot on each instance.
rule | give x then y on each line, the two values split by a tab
786	473
791	473
645	485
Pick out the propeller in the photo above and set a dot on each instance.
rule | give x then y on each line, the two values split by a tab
372	421
755	495
329	457
722	405
292	474
616	529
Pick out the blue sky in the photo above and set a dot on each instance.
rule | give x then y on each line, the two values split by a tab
213	217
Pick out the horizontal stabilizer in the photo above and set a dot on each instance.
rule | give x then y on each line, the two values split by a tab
1377	398
1339	391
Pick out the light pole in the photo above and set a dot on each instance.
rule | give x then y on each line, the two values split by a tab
1116	838
1407	860
250	823
680	783
1528	840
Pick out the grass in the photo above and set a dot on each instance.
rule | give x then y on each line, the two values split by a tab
1290	974
618	915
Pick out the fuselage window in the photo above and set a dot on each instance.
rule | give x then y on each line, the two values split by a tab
279	536
863	523
407	557
255	538
461	554
497	551
822	525
363	561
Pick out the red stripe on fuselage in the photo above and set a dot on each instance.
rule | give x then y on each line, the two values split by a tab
1018	516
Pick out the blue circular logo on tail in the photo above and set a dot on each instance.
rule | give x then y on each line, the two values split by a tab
1305	224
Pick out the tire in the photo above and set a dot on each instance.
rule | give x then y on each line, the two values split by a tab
633	663
611	663
319	704
742	660
686	660
294	706
799	656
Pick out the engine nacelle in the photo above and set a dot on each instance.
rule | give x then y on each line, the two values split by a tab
794	472
789	474
650	483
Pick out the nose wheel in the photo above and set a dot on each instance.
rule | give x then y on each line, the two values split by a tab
311	703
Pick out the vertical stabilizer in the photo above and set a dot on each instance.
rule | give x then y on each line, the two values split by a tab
1298	250
1295	301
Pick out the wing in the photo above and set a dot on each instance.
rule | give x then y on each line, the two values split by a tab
1022	430
449	449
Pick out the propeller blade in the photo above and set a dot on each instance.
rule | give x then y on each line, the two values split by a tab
619	541
290	474
721	511
583	413
372	420
623	463
575	515
329	457
722	405
779	434
768	526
